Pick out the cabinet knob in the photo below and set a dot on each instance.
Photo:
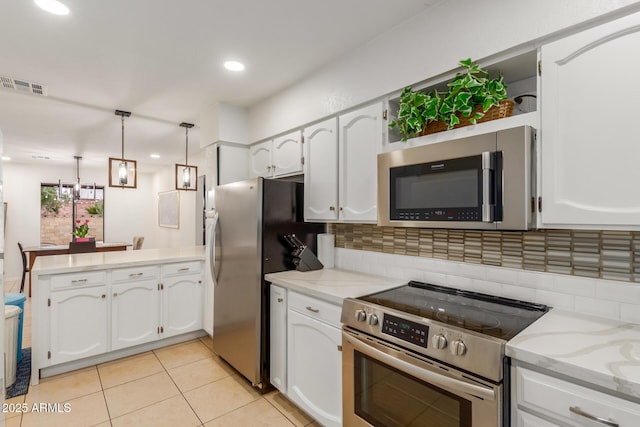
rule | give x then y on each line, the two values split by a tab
340	208
115	294
268	168
273	167
280	300
332	208
103	296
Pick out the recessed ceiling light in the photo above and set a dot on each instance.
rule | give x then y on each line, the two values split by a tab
6	158
154	156
234	66
53	6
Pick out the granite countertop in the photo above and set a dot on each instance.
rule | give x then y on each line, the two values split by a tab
600	351
55	264
332	285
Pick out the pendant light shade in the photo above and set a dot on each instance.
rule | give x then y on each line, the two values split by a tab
186	175
122	172
76	187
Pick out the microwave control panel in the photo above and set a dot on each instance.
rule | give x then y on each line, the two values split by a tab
406	330
452	214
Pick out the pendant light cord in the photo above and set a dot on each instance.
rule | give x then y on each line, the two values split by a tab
186	146
122	158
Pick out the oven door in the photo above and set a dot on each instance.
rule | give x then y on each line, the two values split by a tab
385	385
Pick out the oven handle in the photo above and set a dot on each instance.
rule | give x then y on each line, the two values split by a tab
420	373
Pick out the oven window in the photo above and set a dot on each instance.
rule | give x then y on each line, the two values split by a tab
387	397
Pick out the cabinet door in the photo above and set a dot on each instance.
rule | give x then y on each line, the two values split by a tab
260	163
182	304
360	141
287	154
232	162
278	337
78	325
525	419
588	139
135	313
314	368
321	171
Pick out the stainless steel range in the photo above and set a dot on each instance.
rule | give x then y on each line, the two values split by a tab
426	355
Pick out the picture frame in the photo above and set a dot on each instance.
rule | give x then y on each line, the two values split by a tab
169	209
132	173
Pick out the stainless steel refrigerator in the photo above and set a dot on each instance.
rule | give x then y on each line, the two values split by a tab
253	217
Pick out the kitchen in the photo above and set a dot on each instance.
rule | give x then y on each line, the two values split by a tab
608	291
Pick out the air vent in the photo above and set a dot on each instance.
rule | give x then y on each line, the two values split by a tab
23	86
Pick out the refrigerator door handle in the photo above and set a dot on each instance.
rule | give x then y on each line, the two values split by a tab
212	248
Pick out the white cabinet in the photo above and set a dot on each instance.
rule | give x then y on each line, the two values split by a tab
321	171
232	163
314	359
182	303
278	338
538	395
78	323
135	312
588	139
281	156
341	166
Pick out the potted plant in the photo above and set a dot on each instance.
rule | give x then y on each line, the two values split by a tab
80	233
470	95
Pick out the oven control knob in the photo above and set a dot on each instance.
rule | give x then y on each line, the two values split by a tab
372	320
458	348
439	341
361	315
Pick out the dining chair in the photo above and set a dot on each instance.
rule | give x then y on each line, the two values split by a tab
137	242
82	247
25	266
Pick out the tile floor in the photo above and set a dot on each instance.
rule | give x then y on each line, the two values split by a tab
182	385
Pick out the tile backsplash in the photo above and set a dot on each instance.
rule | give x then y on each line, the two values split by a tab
612	255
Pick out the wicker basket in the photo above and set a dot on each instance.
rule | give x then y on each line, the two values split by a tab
504	109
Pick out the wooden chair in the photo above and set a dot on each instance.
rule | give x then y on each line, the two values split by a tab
82	247
25	266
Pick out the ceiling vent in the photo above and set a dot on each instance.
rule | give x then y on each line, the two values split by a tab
23	86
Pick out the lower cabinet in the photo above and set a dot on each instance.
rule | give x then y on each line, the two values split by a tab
542	400
135	313
313	341
78	323
182	304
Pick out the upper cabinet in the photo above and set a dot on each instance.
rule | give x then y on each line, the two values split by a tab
281	156
589	170
341	168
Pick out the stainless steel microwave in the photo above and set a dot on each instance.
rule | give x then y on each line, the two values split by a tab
483	182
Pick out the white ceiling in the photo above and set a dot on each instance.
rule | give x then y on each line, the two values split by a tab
162	60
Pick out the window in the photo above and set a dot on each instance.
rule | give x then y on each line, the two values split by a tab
56	212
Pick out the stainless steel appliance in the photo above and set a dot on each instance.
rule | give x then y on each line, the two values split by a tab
480	182
253	217
426	355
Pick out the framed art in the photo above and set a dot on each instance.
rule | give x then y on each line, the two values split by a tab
169	209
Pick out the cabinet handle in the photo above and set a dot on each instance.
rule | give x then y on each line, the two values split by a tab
280	300
80	281
115	294
183	269
103	296
340	208
332	208
608	422
269	168
313	310
135	274
339	348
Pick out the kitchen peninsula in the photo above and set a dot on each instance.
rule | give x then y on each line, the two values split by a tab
93	307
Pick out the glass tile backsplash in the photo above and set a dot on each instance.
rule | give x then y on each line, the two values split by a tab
613	255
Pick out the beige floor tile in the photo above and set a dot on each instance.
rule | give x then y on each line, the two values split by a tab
13	407
14	421
65	387
207	341
220	397
105	424
137	394
289	409
314	424
197	374
84	411
181	354
168	413
258	413
129	369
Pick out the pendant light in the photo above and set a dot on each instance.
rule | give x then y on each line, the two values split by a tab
76	187
126	176
186	175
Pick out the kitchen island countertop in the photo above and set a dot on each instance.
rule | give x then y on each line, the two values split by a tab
56	264
332	285
596	350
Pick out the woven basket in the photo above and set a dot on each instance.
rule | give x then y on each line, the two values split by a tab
504	109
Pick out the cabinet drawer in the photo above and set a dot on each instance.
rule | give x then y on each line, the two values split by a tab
77	280
572	403
182	268
136	273
315	308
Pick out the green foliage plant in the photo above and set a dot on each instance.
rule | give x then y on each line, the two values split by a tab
49	200
466	91
96	209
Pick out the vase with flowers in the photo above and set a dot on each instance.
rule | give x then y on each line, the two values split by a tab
80	233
